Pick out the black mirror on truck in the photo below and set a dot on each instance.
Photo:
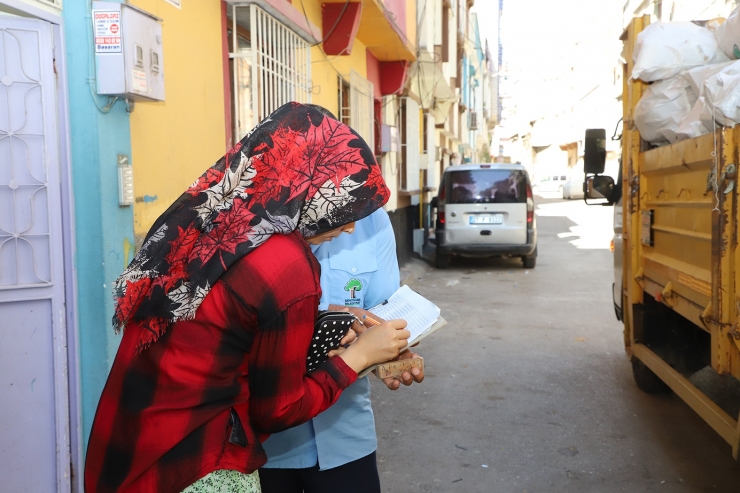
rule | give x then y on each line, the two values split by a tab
434	202
599	187
594	151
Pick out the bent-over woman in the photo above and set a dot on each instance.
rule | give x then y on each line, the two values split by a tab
218	309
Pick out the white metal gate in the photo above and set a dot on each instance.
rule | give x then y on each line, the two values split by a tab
362	111
279	64
34	414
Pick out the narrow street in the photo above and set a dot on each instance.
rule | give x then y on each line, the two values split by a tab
528	388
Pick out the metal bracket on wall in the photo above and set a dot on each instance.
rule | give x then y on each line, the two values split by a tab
730	175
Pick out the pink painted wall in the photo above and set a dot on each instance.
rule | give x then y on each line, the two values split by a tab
398	9
373	73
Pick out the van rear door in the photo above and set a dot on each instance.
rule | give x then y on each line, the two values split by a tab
486	206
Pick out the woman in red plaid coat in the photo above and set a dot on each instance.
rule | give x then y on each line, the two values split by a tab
218	308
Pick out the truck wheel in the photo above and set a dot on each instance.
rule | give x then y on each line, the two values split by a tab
441	260
646	380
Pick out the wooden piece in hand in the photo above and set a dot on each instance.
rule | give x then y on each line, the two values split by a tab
396	368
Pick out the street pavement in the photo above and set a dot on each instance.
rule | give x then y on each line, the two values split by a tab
528	388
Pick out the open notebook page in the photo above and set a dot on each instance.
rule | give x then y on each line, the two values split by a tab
419	312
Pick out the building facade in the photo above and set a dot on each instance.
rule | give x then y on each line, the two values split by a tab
550	93
83	176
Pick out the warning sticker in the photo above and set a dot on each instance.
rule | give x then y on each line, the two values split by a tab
138	81
107	29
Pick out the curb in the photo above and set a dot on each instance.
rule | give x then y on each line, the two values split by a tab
412	270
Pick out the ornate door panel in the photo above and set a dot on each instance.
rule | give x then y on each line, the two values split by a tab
34	409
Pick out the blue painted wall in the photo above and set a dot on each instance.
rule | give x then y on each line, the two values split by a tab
104	231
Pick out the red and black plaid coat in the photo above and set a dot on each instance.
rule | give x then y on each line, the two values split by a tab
211	389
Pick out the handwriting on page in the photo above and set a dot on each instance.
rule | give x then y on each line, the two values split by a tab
417	322
419	312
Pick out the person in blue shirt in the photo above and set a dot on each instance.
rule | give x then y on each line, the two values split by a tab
335	452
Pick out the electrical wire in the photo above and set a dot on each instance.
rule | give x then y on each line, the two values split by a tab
336	22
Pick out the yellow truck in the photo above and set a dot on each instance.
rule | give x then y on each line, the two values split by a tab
681	262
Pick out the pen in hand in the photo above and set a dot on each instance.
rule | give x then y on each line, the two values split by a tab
372	321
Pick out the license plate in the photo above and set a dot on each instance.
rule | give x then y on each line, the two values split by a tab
488	219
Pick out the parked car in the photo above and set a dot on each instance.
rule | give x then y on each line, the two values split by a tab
485	210
550	183
573	188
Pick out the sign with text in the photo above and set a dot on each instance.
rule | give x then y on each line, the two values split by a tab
107	30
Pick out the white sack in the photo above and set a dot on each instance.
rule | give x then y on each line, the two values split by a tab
722	92
705	115
663	106
728	35
692	126
664	49
697	76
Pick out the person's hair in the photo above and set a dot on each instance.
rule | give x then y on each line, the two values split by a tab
322	110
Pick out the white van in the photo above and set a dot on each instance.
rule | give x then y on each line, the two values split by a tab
485	210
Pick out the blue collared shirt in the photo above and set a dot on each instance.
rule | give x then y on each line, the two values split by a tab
360	270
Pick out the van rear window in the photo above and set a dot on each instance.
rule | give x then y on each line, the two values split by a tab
485	186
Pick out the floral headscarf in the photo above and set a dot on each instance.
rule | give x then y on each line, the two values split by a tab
297	170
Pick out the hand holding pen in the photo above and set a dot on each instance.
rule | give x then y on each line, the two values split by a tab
363	318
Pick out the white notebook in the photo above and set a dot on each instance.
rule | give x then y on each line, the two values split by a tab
421	315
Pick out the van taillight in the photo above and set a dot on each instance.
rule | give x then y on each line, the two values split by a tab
441	217
530	205
441	195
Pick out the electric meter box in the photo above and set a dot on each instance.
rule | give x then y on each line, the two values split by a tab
128	52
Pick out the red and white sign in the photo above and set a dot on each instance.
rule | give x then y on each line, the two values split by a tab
107	29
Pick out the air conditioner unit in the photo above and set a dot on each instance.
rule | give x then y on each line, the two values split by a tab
473	120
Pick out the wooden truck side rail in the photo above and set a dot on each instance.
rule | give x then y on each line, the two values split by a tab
680	250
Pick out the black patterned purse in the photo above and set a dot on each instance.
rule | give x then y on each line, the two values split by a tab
329	329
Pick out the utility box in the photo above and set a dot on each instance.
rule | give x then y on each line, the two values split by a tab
128	52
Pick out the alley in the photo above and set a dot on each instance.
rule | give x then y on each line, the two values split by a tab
528	389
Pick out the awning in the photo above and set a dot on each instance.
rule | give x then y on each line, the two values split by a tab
380	34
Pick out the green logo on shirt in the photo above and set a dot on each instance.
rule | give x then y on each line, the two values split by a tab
353	285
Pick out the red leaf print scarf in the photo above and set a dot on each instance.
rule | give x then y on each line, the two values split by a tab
298	169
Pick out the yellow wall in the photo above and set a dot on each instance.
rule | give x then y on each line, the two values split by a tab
325	73
173	142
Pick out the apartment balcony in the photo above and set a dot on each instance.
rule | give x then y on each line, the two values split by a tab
376	26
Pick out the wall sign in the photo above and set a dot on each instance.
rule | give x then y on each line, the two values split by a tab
107	30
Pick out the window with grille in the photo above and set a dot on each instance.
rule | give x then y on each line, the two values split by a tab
271	66
345	110
53	3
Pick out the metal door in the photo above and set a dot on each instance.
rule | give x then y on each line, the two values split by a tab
34	409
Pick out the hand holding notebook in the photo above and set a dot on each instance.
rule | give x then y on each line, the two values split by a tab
422	316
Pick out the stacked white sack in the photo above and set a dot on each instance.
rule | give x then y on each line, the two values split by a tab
663	50
728	35
722	93
695	122
699	120
663	106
